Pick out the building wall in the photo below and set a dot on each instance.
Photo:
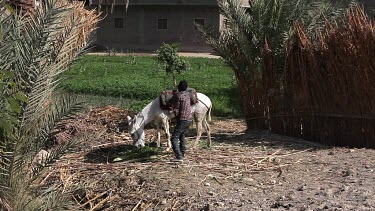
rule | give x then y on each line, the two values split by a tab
140	30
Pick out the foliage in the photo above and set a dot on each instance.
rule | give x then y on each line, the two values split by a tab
10	100
264	30
137	153
129	78
167	55
35	49
370	12
266	22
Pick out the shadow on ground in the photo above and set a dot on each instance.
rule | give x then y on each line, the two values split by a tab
121	153
261	138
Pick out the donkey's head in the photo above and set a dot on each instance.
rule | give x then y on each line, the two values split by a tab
136	131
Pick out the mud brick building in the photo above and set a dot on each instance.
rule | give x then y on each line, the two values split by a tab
148	23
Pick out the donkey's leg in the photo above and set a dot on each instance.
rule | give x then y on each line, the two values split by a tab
168	134
199	131
208	131
193	121
158	131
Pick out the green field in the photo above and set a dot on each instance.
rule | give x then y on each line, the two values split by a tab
138	80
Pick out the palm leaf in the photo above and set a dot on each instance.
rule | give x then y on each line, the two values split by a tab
267	22
37	49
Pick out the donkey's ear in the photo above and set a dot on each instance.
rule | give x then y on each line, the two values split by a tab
129	119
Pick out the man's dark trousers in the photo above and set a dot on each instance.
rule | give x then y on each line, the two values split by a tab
179	134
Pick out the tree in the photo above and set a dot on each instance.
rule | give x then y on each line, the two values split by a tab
173	64
35	50
255	39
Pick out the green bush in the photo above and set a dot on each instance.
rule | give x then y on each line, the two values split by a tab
173	64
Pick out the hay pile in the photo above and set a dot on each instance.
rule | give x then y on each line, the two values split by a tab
144	179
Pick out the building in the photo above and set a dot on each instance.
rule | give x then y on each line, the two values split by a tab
148	23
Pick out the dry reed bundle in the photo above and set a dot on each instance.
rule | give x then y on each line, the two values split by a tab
326	92
330	82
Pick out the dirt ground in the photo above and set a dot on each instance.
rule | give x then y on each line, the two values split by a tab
252	170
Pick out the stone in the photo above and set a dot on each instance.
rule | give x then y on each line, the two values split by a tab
41	157
219	204
344	188
282	198
347	173
329	192
211	193
206	207
301	188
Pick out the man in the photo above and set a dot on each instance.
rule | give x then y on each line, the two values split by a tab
184	119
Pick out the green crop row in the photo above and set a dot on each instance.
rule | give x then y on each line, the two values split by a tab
141	79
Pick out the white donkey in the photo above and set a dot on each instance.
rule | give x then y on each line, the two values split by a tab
153	112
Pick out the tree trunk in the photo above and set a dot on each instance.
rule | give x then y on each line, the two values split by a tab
243	85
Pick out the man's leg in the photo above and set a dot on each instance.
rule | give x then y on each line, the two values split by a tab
182	144
179	148
175	138
186	125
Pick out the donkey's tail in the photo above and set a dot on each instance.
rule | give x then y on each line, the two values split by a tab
209	114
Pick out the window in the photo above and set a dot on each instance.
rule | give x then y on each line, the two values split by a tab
198	22
162	23
119	23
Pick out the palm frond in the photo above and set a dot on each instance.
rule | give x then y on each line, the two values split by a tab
37	49
269	22
64	107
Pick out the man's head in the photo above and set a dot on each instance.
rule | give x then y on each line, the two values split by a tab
182	86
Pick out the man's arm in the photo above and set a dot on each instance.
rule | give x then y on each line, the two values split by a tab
176	105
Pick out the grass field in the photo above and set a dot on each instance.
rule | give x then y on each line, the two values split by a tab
138	80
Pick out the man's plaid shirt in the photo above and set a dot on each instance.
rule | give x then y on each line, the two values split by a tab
183	106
